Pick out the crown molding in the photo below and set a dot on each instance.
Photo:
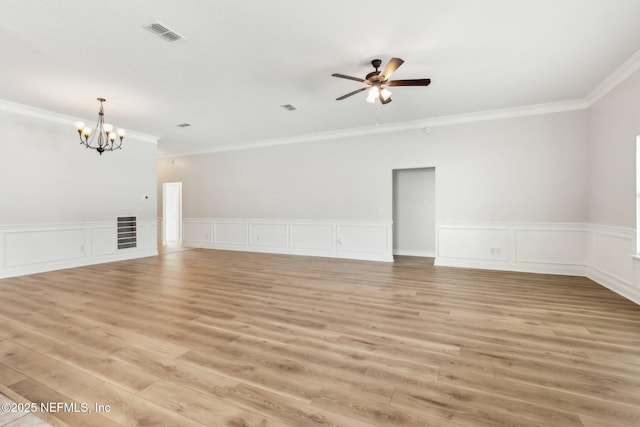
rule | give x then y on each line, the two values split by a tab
39	113
618	75
480	116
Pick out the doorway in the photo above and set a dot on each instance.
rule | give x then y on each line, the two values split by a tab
414	212
171	212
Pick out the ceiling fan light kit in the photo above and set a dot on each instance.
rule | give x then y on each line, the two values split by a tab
376	80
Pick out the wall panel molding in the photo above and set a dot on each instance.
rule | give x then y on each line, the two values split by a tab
553	248
604	254
600	252
612	262
551	245
367	240
35	248
309	236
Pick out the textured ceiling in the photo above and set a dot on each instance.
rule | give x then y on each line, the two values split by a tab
242	60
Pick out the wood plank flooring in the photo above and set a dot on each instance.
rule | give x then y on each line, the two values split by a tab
221	338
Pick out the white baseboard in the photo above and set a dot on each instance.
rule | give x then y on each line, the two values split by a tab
363	256
412	252
626	290
566	270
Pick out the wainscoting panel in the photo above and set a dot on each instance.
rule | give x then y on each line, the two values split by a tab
147	235
103	241
34	248
312	237
195	230
363	238
338	239
604	254
39	246
611	260
536	248
612	255
473	243
551	246
264	234
230	232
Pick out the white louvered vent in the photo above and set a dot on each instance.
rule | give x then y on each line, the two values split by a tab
127	232
163	32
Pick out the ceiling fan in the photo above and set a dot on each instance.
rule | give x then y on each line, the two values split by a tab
377	79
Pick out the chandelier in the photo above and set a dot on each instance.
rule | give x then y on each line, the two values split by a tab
104	138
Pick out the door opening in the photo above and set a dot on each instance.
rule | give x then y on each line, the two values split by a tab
171	212
414	212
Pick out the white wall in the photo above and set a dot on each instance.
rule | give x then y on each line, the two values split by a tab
414	208
59	201
614	125
55	179
520	169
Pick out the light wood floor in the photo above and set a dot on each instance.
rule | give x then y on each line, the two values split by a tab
203	337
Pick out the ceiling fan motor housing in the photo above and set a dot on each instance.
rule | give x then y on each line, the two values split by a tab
376	64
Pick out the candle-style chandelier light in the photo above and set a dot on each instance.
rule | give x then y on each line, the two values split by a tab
104	137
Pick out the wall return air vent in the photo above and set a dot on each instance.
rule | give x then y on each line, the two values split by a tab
127	232
163	32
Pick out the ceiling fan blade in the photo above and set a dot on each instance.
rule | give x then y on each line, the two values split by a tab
410	82
352	93
389	69
342	76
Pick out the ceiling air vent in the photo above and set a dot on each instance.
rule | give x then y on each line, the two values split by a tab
163	32
289	107
183	125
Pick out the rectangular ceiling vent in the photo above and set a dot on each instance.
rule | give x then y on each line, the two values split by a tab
183	125
289	107
163	32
